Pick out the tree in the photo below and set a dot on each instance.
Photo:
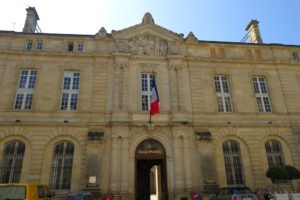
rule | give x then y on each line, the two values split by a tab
293	173
277	174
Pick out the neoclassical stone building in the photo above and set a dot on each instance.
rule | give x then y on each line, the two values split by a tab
74	111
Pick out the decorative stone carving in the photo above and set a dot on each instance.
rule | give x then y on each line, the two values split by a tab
122	46
174	48
148	45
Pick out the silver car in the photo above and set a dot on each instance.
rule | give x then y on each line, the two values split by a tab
235	193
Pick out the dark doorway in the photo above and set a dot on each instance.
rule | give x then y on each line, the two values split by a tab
151	173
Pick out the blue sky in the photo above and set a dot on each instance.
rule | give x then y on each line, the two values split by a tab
215	20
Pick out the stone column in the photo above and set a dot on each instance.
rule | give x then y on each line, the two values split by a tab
178	164
180	87
115	166
124	165
174	88
125	85
187	163
117	87
121	87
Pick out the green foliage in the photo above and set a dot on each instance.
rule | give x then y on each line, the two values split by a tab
293	173
283	173
277	174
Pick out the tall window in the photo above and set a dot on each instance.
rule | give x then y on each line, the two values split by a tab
70	90
146	90
25	89
233	164
262	95
11	164
61	168
274	153
223	94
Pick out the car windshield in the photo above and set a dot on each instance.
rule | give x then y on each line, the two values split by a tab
79	197
12	192
241	191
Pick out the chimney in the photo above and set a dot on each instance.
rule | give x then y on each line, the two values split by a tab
31	20
253	32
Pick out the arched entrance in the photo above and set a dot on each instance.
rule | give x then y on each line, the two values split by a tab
150	171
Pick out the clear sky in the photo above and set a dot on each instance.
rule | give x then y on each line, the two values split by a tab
215	20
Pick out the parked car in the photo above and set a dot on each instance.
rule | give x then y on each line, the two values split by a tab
235	193
25	192
84	196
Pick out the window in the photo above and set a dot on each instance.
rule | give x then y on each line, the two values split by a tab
61	168
295	55
70	89
146	90
25	89
274	155
11	164
70	46
79	47
233	164
223	94
261	92
39	45
29	45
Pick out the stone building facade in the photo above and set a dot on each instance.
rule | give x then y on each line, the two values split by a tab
74	111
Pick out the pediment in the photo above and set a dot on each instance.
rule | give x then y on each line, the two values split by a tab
147	38
147	29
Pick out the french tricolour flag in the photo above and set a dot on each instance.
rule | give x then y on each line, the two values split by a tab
154	109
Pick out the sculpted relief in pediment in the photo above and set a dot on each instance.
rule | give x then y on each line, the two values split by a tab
144	45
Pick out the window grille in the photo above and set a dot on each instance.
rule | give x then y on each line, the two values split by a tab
25	89
69	97
11	164
262	95
223	94
61	168
146	90
274	153
233	163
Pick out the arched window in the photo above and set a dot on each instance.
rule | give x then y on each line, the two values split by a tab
233	164
11	164
61	168
274	153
